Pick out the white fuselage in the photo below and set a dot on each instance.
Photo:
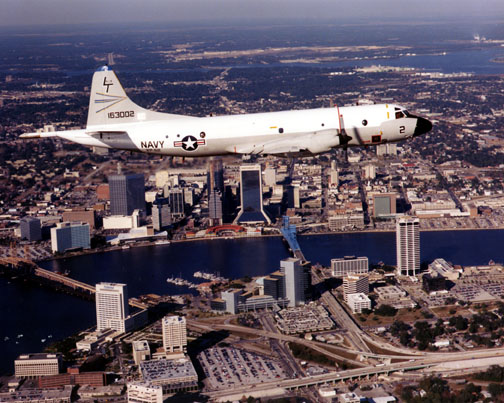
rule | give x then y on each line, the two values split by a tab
247	133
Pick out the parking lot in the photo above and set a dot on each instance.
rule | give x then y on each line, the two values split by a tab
226	367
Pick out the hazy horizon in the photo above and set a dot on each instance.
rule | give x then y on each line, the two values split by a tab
61	12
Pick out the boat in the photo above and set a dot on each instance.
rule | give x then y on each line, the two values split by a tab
19	336
6	338
162	242
42	340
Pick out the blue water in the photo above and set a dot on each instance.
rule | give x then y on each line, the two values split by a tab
38	312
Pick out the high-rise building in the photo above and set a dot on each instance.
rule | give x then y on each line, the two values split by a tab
232	298
369	172
177	203
31	229
293	198
252	210
333	178
408	245
85	216
355	284
174	334
127	193
70	235
386	149
349	265
161	214
215	212
111	306
297	281
384	204
270	176
215	176
358	302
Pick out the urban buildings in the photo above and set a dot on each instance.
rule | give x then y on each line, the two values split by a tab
354	284
161	214
408	245
127	193
215	210
348	265
232	299
141	351
172	375
31	229
35	365
297	281
177	203
251	209
358	302
174	334
142	392
384	204
215	176
111	306
70	235
85	216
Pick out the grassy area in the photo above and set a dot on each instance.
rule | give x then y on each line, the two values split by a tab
449	311
307	354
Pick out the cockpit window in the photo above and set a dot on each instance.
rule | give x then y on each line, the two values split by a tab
399	115
406	113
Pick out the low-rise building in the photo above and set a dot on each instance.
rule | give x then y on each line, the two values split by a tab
141	351
35	365
358	302
172	375
141	392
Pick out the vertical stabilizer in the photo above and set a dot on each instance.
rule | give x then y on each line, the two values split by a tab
109	104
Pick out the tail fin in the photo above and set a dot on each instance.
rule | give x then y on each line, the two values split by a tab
109	104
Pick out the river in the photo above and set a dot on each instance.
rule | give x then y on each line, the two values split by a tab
37	313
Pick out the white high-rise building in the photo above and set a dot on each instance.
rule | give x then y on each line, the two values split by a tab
297	281
174	334
408	245
348	265
111	306
270	176
355	284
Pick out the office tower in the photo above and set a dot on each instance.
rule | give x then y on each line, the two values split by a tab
177	203
215	207
354	284
251	196
174	334
358	302
408	245
349	265
127	193
215	176
111	306
297	280
386	149
188	195
369	172
30	229
293	199
70	235
232	298
333	178
384	204
270	176
161	214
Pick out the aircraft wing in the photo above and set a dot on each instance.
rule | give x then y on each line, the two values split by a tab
312	142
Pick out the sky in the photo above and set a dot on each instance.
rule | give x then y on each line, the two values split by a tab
56	12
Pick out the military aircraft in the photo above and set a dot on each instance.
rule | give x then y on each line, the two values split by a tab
116	122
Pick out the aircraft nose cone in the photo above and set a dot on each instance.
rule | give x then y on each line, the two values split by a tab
423	126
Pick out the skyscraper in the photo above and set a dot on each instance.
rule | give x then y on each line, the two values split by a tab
70	235
177	203
408	245
215	178
251	196
127	193
161	214
174	334
30	229
111	306
215	207
297	280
